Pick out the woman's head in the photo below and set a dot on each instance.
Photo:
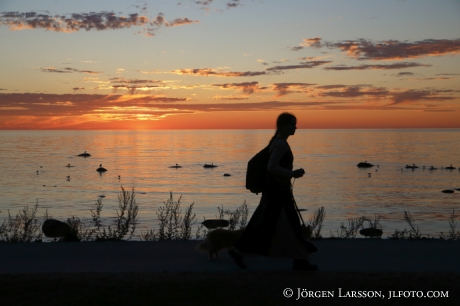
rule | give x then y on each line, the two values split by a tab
286	124
285	119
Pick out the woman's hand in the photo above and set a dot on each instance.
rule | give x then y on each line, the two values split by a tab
298	173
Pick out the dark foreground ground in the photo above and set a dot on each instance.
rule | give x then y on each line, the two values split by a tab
173	273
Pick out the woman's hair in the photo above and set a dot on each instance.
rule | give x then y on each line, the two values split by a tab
282	120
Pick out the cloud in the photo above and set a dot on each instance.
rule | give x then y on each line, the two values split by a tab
306	65
447	74
39	110
247	87
73	23
133	88
68	70
401	74
308	42
81	105
219	97
49	105
212	72
363	49
431	79
87	21
180	22
412	95
78	88
133	81
167	100
205	4
133	85
352	91
283	88
402	65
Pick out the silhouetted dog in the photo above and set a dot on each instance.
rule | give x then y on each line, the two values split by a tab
218	240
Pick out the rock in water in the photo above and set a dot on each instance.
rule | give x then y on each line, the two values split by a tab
365	165
55	229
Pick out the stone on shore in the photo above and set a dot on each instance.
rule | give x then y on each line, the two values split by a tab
215	223
371	232
55	229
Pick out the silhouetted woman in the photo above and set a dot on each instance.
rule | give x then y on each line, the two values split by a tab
274	229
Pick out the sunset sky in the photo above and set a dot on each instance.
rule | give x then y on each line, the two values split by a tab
179	64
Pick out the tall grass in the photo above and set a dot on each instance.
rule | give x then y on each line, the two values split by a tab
316	223
237	218
23	228
176	223
126	220
173	226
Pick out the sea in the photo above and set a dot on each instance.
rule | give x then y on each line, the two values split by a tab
42	168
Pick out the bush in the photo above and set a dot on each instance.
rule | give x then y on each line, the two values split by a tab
22	228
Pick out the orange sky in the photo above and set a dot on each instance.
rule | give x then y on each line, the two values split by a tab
223	64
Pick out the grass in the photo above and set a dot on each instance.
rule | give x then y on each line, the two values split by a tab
24	227
173	225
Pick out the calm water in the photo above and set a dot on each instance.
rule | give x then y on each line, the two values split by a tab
142	158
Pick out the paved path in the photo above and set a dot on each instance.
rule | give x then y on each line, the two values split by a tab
351	255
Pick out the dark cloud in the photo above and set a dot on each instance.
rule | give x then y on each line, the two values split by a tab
233	3
402	74
297	48
73	23
134	85
56	70
229	4
180	22
78	88
447	74
363	49
331	86
168	100
247	87
306	65
133	81
230	98
402	65
68	70
133	88
88	21
352	91
212	72
50	105
72	110
412	95
283	88
75	105
308	42
431	79
204	2
38	104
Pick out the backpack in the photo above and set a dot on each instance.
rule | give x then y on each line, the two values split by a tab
256	172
